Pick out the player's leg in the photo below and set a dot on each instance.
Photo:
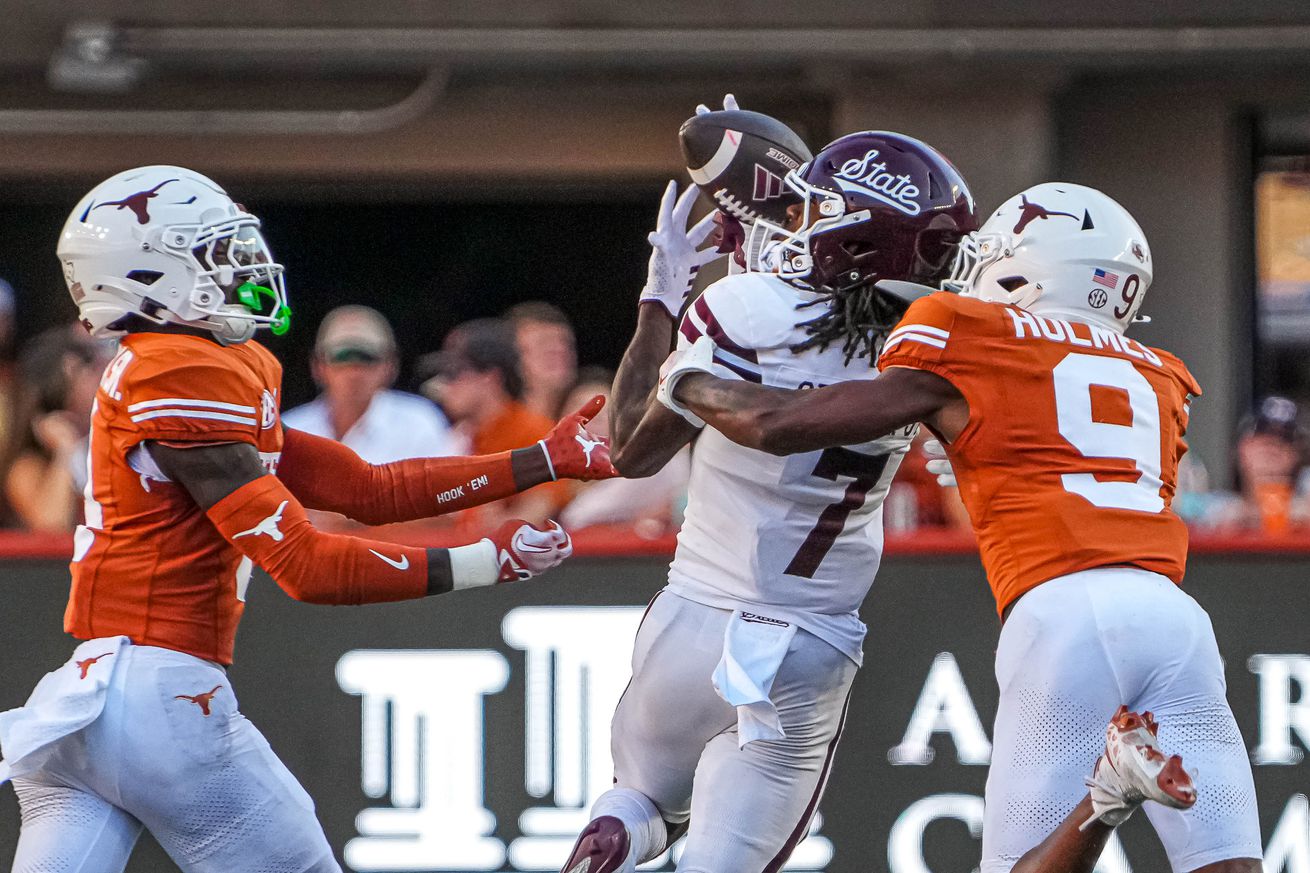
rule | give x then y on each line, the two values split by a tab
1139	633
203	779
68	830
1057	692
1132	770
751	807
1188	695
661	725
1070	848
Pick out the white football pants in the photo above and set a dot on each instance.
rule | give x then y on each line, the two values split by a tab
675	739
1072	650
171	753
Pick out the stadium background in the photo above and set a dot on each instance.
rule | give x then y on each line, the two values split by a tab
441	161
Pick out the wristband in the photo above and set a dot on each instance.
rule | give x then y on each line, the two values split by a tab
550	465
665	396
474	565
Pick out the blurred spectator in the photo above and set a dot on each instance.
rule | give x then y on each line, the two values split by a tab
6	360
1272	474
475	379
653	506
548	356
1271	467
45	460
355	363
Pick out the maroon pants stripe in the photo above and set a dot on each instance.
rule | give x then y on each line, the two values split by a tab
804	824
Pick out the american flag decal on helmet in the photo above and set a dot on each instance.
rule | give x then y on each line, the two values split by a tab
1109	280
768	186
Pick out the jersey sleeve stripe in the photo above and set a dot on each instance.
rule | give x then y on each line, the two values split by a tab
914	337
728	359
690	331
183	401
701	313
750	375
920	328
193	413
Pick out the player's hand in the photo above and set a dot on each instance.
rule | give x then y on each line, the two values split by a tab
938	464
729	234
696	358
676	255
573	452
729	102
524	550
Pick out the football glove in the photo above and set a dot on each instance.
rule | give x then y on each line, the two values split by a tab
676	255
729	102
572	452
524	550
696	358
938	464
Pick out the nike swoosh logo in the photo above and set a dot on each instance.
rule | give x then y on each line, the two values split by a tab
524	547
402	564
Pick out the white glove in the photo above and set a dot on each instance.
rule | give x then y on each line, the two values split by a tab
696	358
938	465
729	102
524	550
675	251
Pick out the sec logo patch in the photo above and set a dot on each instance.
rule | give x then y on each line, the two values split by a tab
267	410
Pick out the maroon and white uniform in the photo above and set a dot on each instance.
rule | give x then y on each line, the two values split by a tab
756	640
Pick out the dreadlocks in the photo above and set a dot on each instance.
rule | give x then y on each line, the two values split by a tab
858	314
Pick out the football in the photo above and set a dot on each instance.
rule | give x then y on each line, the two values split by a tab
739	159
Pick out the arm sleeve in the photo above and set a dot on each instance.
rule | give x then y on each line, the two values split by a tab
734	353
324	474
268	525
922	338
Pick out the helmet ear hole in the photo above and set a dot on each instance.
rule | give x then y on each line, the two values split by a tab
145	277
934	186
1012	283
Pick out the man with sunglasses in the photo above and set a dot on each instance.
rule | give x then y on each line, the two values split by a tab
355	363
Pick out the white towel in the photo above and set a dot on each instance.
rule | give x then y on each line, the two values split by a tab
753	648
63	702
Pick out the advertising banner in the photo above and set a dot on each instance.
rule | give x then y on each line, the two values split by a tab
470	732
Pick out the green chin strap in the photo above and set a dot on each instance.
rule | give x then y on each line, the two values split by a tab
249	294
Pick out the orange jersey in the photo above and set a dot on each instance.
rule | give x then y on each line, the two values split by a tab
148	563
1070	455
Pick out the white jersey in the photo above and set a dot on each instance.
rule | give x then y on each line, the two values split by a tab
796	537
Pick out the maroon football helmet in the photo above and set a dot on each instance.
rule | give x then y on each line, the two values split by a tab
877	206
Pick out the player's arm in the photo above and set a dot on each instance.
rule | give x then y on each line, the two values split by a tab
324	474
257	514
644	435
783	421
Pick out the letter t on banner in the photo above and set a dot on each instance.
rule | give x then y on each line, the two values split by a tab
434	773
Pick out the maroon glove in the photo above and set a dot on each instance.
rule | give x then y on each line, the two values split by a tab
573	452
729	237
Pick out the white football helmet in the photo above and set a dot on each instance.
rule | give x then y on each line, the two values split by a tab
1059	250
169	245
